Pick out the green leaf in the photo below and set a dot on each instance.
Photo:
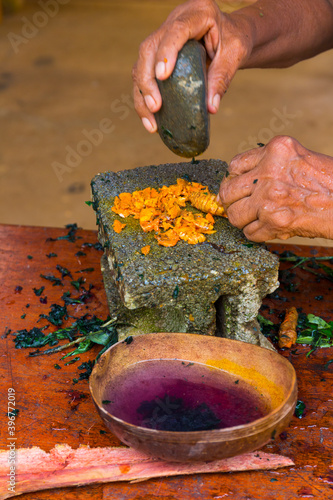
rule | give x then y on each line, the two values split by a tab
74	360
64	272
267	327
263	321
316	320
77	283
113	339
299	410
328	270
83	334
83	347
53	279
71	236
314	331
326	365
304	340
101	337
327	332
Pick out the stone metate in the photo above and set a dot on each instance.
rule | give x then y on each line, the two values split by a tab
212	288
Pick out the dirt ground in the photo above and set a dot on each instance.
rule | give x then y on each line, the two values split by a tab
66	110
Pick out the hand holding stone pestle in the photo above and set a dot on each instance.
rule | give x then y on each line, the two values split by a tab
266	34
281	190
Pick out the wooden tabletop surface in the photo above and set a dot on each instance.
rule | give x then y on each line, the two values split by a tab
53	410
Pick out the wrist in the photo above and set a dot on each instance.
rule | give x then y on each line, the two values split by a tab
243	27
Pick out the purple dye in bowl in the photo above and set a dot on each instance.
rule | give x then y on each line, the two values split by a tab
180	396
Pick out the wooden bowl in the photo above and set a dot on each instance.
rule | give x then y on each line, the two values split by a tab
257	370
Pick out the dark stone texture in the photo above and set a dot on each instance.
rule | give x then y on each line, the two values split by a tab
182	288
183	120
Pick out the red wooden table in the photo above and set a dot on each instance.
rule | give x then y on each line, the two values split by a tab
54	410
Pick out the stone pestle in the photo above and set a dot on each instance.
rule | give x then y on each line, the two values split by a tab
183	120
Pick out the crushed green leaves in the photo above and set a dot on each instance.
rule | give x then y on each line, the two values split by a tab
39	291
310	264
314	331
57	315
83	334
70	236
267	327
299	409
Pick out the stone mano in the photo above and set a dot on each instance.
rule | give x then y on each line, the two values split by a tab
183	120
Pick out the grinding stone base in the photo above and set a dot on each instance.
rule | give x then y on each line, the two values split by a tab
226	320
212	288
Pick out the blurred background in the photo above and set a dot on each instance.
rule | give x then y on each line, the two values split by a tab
66	110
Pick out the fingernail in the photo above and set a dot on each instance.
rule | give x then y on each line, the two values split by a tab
147	124
216	101
150	102
160	69
218	199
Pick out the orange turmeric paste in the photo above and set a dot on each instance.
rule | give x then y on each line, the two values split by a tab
164	212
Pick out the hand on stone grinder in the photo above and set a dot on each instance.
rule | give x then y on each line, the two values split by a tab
279	191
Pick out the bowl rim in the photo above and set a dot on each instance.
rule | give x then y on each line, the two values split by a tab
258	425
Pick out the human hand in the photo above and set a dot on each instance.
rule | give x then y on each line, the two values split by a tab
279	191
226	43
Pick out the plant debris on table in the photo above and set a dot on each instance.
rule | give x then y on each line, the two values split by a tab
64	272
267	327
56	281
39	291
70	236
299	409
314	331
311	330
56	315
83	334
310	264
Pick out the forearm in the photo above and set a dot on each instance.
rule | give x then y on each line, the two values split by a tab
284	32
